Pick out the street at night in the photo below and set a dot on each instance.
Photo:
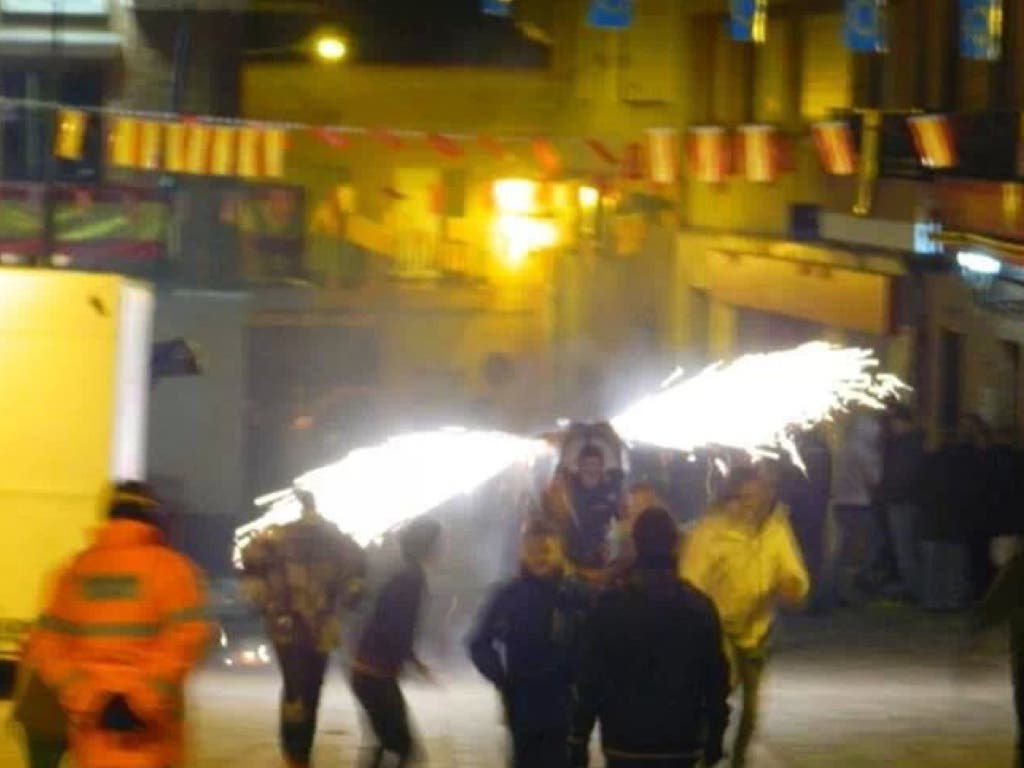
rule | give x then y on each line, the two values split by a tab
877	688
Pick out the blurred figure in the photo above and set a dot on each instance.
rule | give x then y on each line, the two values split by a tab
744	556
653	671
1005	603
525	643
125	626
38	712
806	492
387	644
974	456
594	499
640	496
902	458
299	575
862	538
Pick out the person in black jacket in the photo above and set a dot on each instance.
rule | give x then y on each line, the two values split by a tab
653	670
898	492
525	643
387	645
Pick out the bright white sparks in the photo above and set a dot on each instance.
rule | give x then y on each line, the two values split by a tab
372	490
757	403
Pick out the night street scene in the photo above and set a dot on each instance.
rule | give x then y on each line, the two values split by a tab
511	383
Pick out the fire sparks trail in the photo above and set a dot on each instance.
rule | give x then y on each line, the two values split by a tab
755	405
374	489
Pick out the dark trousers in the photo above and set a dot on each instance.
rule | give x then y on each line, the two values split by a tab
583	724
302	669
44	753
1017	666
540	749
384	705
649	762
750	663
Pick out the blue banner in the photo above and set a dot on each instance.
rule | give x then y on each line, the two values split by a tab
747	20
500	8
610	14
981	29
864	26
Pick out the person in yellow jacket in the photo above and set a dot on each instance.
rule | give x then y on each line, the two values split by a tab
126	624
744	556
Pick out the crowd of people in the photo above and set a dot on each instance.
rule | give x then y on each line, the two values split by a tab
624	618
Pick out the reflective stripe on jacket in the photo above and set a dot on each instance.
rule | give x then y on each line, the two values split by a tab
128	617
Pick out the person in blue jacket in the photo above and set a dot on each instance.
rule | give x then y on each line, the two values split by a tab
525	643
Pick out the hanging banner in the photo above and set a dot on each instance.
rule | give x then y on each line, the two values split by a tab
124	142
864	26
492	146
663	156
632	167
222	162
933	140
500	8
981	29
249	165
197	148
748	20
275	143
708	153
757	157
333	138
610	14
387	138
833	141
150	145
175	147
70	137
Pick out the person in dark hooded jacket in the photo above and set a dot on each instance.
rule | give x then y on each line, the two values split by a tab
653	669
525	644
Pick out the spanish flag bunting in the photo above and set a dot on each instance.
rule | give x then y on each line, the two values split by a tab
70	138
663	156
547	156
275	143
601	150
124	142
333	137
197	148
757	153
150	135
933	140
632	167
708	153
222	162
444	145
836	150
492	146
248	152
175	147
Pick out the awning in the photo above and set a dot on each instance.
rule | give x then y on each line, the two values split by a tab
70	43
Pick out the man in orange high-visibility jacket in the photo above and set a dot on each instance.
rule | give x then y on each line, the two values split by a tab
125	626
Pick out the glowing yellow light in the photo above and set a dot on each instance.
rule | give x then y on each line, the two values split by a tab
515	197
330	48
515	237
589	197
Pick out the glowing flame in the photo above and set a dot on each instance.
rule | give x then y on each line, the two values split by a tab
372	490
758	402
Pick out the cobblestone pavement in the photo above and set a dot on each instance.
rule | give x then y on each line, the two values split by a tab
873	688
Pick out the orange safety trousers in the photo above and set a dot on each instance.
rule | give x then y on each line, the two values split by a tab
128	618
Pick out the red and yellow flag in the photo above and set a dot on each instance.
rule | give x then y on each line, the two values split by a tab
757	153
933	140
222	162
708	153
124	142
70	137
175	147
837	152
663	156
197	148
150	145
249	152
275	144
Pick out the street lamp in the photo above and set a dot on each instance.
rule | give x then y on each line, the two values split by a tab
325	45
330	48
